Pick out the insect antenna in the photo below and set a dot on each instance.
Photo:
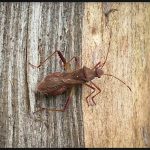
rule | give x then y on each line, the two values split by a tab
99	64
119	80
108	50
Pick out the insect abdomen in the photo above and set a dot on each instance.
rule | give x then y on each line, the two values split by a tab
58	91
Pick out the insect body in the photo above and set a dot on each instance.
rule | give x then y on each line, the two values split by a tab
57	83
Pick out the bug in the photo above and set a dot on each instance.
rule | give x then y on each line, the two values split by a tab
59	82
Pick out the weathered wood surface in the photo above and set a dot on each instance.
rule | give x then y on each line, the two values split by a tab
29	32
25	29
121	118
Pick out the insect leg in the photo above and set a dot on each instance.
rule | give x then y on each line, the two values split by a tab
67	66
59	54
60	110
99	90
77	64
90	93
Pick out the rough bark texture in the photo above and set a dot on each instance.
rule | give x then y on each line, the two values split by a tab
30	32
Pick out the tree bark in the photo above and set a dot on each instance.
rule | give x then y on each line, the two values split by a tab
120	118
30	32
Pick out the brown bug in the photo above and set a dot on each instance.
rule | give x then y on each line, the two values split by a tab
57	83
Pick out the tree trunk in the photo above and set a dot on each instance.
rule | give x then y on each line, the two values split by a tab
120	118
30	32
